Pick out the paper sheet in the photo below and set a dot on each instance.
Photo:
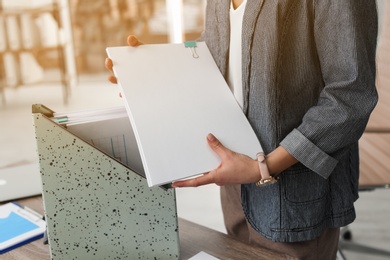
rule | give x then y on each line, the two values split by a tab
203	256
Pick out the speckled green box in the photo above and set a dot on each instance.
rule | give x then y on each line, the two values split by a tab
97	208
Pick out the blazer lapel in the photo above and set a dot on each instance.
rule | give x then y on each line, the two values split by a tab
252	12
223	26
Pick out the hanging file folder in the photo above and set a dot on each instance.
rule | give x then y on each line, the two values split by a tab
96	207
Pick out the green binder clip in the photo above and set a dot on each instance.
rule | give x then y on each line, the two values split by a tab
192	46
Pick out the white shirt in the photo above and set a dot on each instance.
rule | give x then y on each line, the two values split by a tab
235	52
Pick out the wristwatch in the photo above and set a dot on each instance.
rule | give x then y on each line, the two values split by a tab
266	178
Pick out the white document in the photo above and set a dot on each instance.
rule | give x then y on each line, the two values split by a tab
90	115
113	136
203	256
173	101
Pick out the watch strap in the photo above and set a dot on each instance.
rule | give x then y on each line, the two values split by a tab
266	178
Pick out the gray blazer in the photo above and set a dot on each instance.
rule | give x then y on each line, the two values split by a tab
309	85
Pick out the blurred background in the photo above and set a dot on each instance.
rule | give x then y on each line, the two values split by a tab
61	40
52	52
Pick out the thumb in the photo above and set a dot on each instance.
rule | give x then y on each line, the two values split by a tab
216	145
133	41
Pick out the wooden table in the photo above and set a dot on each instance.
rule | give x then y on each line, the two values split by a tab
194	238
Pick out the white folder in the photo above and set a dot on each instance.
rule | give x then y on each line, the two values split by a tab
175	95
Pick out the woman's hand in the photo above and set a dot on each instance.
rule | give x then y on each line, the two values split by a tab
131	41
235	168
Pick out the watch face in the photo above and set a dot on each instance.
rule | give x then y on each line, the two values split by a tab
267	181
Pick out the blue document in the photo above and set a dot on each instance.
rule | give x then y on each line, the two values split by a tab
18	226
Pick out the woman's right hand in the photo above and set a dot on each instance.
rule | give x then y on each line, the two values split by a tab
131	41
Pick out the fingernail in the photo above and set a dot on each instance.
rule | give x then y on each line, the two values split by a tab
211	137
133	41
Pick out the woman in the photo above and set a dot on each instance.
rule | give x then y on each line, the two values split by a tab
304	73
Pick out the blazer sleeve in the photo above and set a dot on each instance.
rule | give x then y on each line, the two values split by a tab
345	35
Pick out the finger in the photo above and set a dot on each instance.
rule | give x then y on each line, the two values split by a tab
195	182
112	79
108	64
216	145
133	41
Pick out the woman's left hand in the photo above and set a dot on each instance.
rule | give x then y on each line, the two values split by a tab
234	168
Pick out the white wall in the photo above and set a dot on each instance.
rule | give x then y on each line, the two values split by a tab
381	4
